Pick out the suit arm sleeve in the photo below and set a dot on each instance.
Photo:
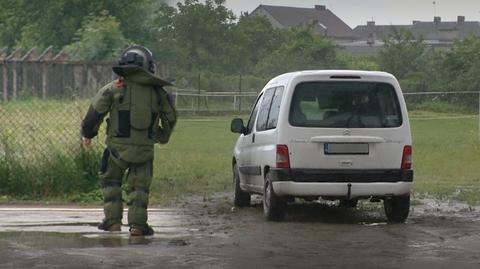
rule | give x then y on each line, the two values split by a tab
96	112
168	118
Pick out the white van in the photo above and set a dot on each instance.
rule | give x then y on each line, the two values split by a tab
338	135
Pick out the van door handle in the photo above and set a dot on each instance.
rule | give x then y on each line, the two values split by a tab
253	138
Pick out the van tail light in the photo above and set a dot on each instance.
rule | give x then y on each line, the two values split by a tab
283	159
407	158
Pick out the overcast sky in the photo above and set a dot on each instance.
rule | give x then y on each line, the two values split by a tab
356	12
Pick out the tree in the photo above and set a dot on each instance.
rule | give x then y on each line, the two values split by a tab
42	23
99	39
161	35
402	53
11	22
252	38
202	32
303	50
461	65
405	56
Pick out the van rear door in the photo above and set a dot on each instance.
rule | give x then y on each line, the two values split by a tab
347	125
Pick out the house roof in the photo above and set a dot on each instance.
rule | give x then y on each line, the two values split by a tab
443	31
380	31
449	30
295	16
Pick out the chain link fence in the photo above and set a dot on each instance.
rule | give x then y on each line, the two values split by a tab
446	106
41	153
40	149
212	102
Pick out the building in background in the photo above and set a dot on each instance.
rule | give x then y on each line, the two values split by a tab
436	33
322	20
366	39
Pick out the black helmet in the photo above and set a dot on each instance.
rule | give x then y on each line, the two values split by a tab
138	56
138	61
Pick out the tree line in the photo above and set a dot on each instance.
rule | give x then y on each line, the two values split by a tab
205	37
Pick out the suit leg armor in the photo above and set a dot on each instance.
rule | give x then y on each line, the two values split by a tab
111	176
139	178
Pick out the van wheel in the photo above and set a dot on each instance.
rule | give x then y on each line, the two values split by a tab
397	208
240	197
273	205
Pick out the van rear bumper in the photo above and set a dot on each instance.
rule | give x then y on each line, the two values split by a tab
341	182
291	188
341	175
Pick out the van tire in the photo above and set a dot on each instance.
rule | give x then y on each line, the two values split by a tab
273	205
240	197
397	208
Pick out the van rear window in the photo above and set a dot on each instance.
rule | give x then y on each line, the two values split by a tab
344	104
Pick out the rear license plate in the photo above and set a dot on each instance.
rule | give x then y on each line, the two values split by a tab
346	148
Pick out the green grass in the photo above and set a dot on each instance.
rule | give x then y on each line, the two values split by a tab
446	158
196	160
41	158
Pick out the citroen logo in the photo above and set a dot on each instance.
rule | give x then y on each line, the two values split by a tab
347	132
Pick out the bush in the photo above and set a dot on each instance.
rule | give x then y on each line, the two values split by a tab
100	39
60	175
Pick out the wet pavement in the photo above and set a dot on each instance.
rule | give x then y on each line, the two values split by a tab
209	233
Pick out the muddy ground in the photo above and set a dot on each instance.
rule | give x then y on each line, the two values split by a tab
209	233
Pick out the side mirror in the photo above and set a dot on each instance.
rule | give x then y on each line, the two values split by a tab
237	126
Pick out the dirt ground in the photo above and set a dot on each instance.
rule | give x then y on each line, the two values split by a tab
209	233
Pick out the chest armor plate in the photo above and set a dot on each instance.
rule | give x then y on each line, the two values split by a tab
134	114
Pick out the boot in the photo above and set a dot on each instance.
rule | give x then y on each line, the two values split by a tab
141	231
116	227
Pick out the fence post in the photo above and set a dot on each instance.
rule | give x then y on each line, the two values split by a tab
240	91
176	99
198	98
44	57
5	81
30	56
479	115
234	102
44	80
16	54
14	81
3	56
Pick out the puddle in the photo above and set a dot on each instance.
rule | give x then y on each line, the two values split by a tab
209	234
52	240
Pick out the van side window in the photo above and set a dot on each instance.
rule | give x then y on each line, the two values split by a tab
253	115
264	109
275	108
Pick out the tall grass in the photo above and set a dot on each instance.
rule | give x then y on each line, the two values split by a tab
40	150
63	174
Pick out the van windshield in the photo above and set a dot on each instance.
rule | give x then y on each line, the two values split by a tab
344	104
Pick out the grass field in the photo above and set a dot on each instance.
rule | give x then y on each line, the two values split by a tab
41	157
446	158
196	160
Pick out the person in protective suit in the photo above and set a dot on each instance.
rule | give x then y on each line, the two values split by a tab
140	114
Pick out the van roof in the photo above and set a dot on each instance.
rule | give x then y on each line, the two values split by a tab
287	77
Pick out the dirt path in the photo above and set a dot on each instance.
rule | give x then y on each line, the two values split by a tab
211	234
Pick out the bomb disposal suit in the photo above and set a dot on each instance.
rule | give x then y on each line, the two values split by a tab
141	114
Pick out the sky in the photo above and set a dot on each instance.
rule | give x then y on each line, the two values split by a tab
358	12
